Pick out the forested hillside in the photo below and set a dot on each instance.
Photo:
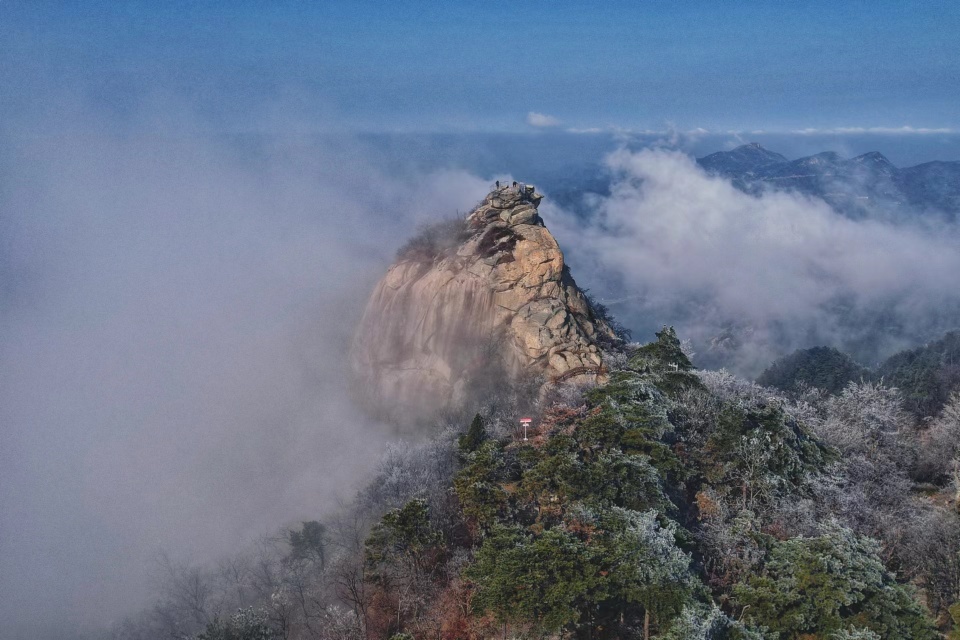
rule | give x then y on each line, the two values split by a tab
821	367
925	376
666	503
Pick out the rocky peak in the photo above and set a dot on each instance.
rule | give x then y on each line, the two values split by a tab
747	157
875	161
500	298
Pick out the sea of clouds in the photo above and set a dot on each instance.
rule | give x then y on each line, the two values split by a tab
748	278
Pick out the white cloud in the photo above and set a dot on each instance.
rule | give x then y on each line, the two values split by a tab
693	251
905	130
535	119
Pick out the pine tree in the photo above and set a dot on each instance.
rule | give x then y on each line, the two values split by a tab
474	437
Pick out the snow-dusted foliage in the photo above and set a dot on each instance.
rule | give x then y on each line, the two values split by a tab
666	503
706	622
727	387
412	470
939	458
855	633
865	419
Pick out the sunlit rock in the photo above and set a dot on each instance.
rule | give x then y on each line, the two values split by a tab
490	294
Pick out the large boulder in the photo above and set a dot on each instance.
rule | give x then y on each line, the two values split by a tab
492	293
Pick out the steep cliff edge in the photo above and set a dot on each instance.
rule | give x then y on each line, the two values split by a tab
488	293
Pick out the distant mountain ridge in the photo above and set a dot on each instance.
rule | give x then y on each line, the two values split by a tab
744	159
868	185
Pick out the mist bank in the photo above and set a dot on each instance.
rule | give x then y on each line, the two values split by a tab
750	277
175	313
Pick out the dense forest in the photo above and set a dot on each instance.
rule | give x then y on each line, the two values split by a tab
925	376
668	502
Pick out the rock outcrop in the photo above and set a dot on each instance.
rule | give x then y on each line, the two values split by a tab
489	293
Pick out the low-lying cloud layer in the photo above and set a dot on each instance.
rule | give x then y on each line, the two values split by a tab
905	130
764	274
173	322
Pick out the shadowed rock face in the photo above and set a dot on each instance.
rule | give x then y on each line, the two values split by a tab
502	298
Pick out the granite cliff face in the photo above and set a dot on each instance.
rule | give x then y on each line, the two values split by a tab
491	293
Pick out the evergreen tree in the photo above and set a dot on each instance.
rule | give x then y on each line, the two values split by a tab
817	587
309	543
627	567
474	437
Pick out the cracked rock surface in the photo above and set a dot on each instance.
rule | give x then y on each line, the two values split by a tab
500	298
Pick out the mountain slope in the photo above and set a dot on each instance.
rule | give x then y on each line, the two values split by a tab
821	367
927	375
868	185
746	158
934	185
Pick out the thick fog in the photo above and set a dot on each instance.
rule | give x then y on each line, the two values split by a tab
750	278
175	314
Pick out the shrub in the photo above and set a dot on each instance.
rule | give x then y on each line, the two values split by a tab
433	241
602	313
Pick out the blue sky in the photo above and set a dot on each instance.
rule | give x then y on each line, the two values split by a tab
461	66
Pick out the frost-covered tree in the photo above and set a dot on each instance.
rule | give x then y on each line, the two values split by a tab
931	550
245	624
706	622
940	445
871	488
730	539
855	633
629	564
824	585
647	566
867	419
